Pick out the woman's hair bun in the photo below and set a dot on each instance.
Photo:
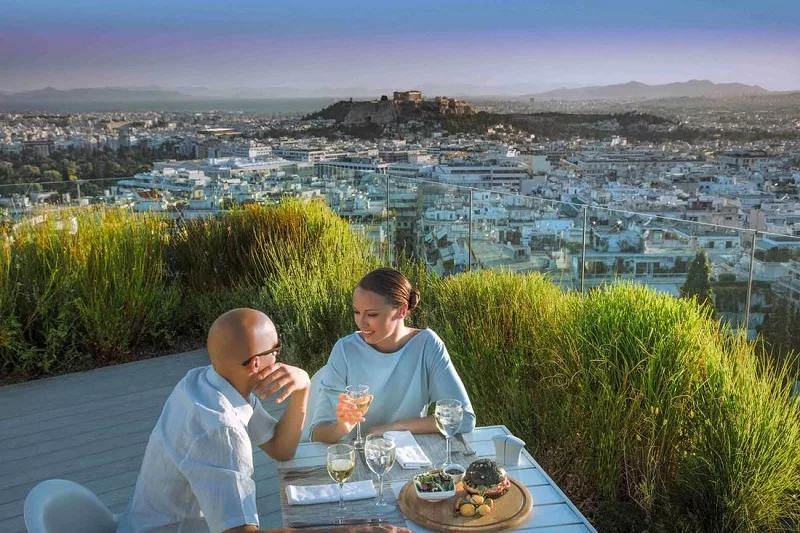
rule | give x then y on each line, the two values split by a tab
413	299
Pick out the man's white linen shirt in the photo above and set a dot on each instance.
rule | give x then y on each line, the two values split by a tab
197	470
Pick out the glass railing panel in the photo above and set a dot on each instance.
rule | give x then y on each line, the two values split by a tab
360	199
432	223
728	251
404	212
775	296
658	251
524	234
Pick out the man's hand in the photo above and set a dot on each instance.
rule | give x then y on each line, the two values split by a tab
281	376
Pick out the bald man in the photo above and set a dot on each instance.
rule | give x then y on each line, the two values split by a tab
197	467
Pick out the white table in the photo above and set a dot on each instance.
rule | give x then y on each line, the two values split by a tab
552	510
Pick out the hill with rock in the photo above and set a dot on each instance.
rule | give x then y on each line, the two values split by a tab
398	109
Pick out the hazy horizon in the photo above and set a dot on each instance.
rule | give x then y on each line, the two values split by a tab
313	45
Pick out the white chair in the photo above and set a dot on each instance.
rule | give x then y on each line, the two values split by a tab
313	395
61	506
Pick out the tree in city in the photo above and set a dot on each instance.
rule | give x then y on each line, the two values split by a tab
781	333
698	280
778	322
51	176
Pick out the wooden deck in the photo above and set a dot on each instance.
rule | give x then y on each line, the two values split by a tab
92	428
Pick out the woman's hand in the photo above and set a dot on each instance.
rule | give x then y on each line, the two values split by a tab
349	413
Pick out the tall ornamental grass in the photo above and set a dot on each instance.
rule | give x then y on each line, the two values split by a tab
742	469
297	261
122	297
82	288
619	395
12	345
311	281
629	361
498	328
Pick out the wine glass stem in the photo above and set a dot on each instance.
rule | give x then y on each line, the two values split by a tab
341	495
358	432
380	491
447	461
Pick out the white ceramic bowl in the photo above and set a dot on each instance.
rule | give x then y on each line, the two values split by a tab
433	496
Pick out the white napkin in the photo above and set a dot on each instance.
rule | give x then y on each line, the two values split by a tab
408	453
308	494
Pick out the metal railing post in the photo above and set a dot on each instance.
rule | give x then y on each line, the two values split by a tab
388	227
583	249
469	234
750	283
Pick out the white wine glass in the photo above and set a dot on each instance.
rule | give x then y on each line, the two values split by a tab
448	415
360	396
379	452
341	462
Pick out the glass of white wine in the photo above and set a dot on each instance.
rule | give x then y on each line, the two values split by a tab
341	462
360	396
448	414
379	452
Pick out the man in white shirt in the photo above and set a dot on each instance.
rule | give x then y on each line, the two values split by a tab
197	467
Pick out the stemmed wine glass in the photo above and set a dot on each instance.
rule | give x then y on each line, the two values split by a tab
448	414
341	462
379	452
360	396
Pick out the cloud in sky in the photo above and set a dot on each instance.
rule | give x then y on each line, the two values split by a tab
382	43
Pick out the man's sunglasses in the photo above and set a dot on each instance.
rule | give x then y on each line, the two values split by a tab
272	351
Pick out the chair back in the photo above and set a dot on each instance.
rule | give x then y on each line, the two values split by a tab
313	397
61	506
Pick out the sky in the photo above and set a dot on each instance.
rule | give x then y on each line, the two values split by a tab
493	47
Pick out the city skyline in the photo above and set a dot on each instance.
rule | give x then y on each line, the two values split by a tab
310	44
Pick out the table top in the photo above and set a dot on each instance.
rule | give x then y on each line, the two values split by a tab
552	510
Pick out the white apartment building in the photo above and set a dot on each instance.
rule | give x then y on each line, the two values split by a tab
537	161
244	150
627	164
311	155
744	159
505	176
344	169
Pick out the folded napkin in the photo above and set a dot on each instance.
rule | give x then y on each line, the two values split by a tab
407	451
308	494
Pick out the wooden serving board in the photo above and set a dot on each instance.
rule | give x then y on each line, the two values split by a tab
509	511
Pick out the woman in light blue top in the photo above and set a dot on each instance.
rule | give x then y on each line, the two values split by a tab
405	368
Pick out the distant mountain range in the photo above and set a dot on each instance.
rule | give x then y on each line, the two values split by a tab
104	94
625	92
635	90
